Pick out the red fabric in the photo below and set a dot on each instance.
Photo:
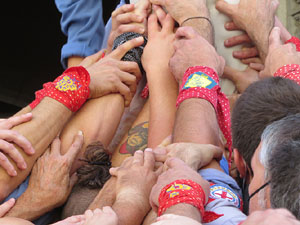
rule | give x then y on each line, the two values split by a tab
70	89
181	191
210	216
290	71
296	41
145	92
213	94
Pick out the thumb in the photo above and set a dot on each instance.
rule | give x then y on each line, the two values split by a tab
114	171
225	7
274	39
230	73
174	163
185	33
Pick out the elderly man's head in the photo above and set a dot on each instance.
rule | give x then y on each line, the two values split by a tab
276	163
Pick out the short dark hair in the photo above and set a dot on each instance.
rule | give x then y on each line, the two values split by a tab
283	164
262	103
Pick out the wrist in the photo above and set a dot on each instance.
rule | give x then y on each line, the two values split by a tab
183	209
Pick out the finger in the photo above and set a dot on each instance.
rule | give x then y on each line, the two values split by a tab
134	27
138	158
158	2
225	7
130	67
159	170
231	26
218	153
149	160
114	171
120	51
167	141
169	24
90	60
274	39
160	154
251	60
108	209
257	66
124	91
237	40
75	148
174	162
153	26
17	138
230	73
185	33
13	153
6	206
246	53
6	164
160	13
129	80
55	146
15	120
123	9
129	18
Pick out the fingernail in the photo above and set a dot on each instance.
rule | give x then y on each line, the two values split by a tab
140	39
80	133
141	30
148	150
139	151
226	42
14	173
24	166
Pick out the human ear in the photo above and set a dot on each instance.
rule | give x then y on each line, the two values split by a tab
240	163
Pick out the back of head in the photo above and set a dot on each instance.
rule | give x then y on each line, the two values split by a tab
280	155
262	103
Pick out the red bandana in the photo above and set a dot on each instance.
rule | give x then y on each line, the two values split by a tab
290	71
295	41
203	82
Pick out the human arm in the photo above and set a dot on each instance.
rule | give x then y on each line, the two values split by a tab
82	23
135	178
163	88
44	126
50	183
181	10
255	17
280	55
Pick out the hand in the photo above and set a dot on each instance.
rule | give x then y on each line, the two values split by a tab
187	53
195	156
279	55
135	178
7	137
241	79
106	216
111	75
271	216
180	10
177	170
284	33
6	206
242	39
72	220
159	48
128	18
256	17
50	183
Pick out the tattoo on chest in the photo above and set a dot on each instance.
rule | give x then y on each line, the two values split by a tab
137	139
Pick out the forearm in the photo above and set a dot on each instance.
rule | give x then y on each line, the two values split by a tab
185	210
40	131
129	213
98	119
74	61
25	110
196	122
163	95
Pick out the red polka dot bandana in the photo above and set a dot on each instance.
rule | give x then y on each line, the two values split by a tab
181	191
290	71
295	41
203	82
70	89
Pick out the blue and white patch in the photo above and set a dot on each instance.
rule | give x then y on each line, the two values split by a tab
199	79
221	192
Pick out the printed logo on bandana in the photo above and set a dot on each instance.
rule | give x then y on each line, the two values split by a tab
218	192
175	187
199	79
66	84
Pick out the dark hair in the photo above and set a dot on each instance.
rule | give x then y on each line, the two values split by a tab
283	165
96	172
262	103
